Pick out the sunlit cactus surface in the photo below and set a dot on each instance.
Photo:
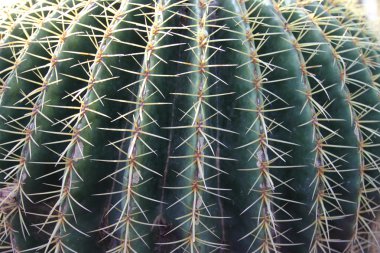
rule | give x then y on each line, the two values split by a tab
189	126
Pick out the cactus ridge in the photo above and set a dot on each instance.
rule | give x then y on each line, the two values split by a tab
364	131
188	126
19	150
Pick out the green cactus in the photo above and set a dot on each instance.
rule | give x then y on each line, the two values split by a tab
188	126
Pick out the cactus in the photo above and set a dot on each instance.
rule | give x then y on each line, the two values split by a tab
188	126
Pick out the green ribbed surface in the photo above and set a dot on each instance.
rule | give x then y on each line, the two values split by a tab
190	126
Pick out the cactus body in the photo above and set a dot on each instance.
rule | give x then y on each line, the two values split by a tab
188	126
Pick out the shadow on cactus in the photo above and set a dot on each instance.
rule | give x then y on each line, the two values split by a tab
192	126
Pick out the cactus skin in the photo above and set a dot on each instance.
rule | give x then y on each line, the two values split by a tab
188	126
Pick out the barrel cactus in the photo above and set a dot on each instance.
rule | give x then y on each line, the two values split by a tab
188	126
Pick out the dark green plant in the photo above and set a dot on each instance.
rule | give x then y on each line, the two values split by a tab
188	126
